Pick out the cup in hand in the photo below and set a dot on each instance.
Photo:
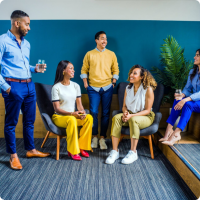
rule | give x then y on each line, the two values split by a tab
40	65
178	94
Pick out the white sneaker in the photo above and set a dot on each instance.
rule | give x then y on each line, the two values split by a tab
102	143
94	143
114	155
130	158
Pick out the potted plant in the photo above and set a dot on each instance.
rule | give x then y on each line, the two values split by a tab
175	68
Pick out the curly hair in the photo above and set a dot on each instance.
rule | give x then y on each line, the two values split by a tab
195	68
148	79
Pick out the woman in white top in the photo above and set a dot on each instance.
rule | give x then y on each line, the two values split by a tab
137	112
65	94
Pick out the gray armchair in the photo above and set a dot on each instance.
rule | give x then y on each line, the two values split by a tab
148	132
43	93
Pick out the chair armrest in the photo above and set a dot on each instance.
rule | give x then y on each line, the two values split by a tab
151	129
158	117
115	112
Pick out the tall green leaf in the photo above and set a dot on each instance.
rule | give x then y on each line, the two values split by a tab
176	68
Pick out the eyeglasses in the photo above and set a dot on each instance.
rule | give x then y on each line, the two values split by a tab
197	55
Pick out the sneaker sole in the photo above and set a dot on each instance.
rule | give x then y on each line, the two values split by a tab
111	163
129	163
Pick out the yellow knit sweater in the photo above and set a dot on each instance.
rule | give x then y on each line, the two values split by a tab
101	66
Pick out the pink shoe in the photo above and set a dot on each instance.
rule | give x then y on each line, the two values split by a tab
84	153
75	157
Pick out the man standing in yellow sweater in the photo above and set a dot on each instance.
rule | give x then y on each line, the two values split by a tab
102	67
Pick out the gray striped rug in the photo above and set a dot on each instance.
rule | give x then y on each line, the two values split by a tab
192	153
90	179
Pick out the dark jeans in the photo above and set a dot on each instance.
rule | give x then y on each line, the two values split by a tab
188	108
95	97
22	96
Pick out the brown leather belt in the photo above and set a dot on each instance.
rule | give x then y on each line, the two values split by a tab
19	80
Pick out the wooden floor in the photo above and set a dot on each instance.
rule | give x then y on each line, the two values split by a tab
182	166
186	137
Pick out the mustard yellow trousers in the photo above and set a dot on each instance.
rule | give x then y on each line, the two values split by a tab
135	123
74	144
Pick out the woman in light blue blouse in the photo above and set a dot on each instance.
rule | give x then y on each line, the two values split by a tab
190	103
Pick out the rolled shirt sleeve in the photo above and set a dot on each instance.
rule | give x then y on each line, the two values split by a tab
195	96
115	76
83	76
4	86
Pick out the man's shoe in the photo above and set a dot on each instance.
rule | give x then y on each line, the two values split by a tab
38	154
15	164
84	153
94	143
130	158
114	155
102	143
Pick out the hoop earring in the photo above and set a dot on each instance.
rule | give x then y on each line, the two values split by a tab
63	73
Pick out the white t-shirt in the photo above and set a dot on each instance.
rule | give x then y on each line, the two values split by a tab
66	94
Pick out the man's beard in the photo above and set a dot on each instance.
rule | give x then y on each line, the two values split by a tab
22	32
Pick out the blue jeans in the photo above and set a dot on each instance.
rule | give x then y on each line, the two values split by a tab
22	96
188	108
94	98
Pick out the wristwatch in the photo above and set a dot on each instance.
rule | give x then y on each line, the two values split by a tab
114	84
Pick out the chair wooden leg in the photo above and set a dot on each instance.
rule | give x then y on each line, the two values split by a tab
45	139
155	140
58	147
151	146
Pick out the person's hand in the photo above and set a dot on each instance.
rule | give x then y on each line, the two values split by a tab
124	116
82	114
38	71
8	90
178	96
79	114
86	85
179	105
127	117
76	114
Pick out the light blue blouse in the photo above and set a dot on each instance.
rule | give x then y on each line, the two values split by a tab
192	88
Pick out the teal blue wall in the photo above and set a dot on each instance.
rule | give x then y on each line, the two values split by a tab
134	42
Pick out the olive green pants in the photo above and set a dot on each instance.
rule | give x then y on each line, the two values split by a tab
135	123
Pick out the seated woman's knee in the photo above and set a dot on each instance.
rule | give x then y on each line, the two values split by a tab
89	117
72	120
133	119
189	104
116	117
